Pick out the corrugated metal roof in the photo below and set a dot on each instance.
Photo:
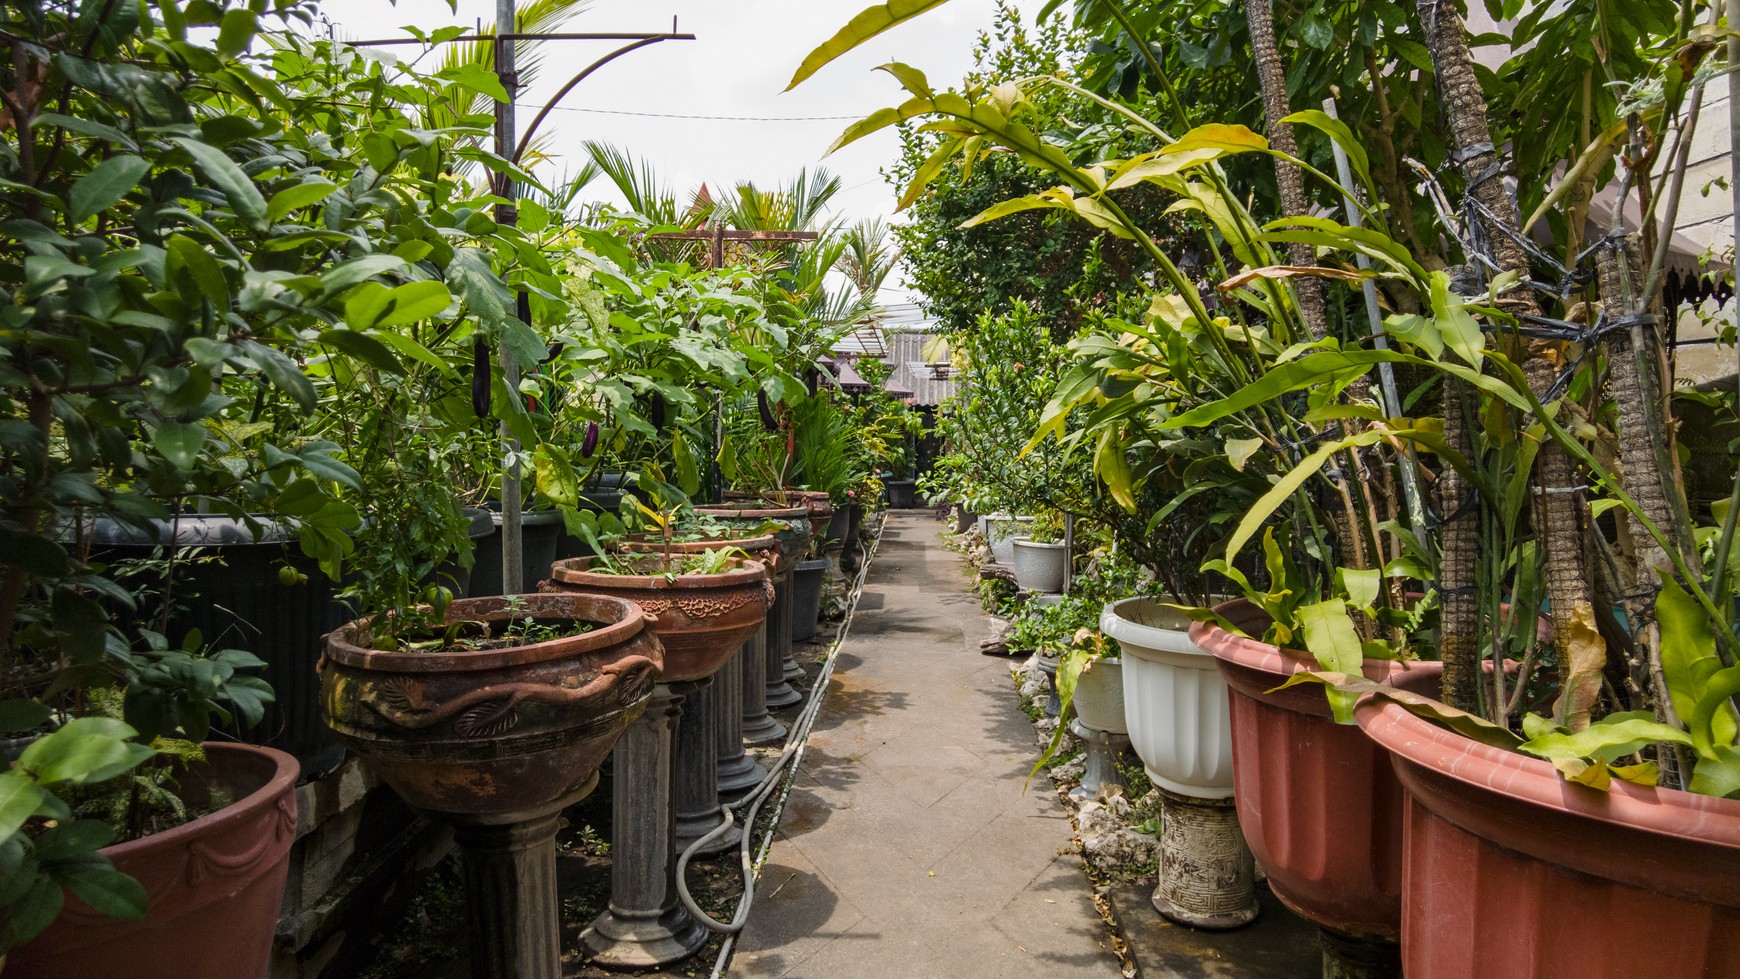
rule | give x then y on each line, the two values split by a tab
929	383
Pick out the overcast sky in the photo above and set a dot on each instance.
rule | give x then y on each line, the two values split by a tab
744	54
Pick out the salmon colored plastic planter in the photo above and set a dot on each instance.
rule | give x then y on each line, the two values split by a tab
1513	873
1318	802
215	884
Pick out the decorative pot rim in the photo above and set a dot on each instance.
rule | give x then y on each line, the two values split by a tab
619	621
1140	637
762	509
811	564
573	571
1658	839
287	768
1046	545
1254	654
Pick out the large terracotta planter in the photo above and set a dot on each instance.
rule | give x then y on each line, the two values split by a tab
792	540
1175	702
701	620
490	736
215	884
1511	872
1040	567
1318	802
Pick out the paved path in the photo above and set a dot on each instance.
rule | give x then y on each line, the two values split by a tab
907	849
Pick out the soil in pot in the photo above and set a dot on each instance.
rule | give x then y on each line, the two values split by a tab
215	884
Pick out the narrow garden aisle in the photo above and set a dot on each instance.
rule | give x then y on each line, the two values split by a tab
908	848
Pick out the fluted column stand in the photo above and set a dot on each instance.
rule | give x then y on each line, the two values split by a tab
697	788
738	774
510	889
644	925
1208	878
759	727
781	693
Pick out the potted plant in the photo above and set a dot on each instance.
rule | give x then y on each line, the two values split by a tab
1041	556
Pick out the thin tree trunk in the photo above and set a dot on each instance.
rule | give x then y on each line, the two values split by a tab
1459	618
1560	506
1273	78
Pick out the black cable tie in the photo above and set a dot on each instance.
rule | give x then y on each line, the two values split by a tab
1463	154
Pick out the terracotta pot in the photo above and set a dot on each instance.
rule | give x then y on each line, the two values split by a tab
1512	872
1175	701
764	549
1099	696
792	541
215	884
499	735
1318	802
700	619
1040	567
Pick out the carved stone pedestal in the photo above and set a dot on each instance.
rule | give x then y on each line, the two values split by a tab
510	890
759	727
780	693
1103	748
1207	875
697	778
644	926
738	774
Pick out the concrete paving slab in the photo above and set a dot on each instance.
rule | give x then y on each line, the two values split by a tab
908	848
1278	945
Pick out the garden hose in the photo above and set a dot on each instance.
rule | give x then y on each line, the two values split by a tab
787	761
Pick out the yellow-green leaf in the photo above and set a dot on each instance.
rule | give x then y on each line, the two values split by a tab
870	22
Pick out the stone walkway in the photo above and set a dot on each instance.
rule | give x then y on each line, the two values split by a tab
908	849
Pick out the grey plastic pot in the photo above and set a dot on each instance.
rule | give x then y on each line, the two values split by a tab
1000	531
1040	567
806	595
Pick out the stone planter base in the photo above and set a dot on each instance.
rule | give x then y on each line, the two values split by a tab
1103	749
1207	876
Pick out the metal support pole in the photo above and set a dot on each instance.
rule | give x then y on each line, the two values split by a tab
512	573
1375	321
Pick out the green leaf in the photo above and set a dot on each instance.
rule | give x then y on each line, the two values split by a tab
282	372
1361	585
409	347
1336	130
1284	487
35	911
19	797
1239	451
229	178
20	716
236	32
1458	327
416	301
359	269
84	750
1330	636
1470	726
1718	774
477	78
1606	740
1688	662
76	840
206	275
179	442
107	183
301	195
870	22
364	348
106	890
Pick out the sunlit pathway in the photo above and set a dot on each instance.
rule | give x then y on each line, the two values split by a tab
908	848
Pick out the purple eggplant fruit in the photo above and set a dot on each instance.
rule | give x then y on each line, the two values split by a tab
590	445
480	377
768	422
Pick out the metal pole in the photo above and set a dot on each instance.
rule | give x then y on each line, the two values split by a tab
1375	321
513	580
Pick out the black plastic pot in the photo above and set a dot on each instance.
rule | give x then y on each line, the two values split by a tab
902	494
449	572
235	598
806	598
838	526
539	532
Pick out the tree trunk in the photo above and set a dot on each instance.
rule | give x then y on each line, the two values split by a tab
1560	506
1273	78
1459	619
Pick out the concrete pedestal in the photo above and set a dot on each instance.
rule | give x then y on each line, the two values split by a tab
697	777
644	926
510	889
1103	748
737	773
779	662
1048	666
1207	874
759	727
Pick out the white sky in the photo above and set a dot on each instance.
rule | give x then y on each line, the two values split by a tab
744	54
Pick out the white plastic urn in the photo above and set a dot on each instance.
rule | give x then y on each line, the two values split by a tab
1175	702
